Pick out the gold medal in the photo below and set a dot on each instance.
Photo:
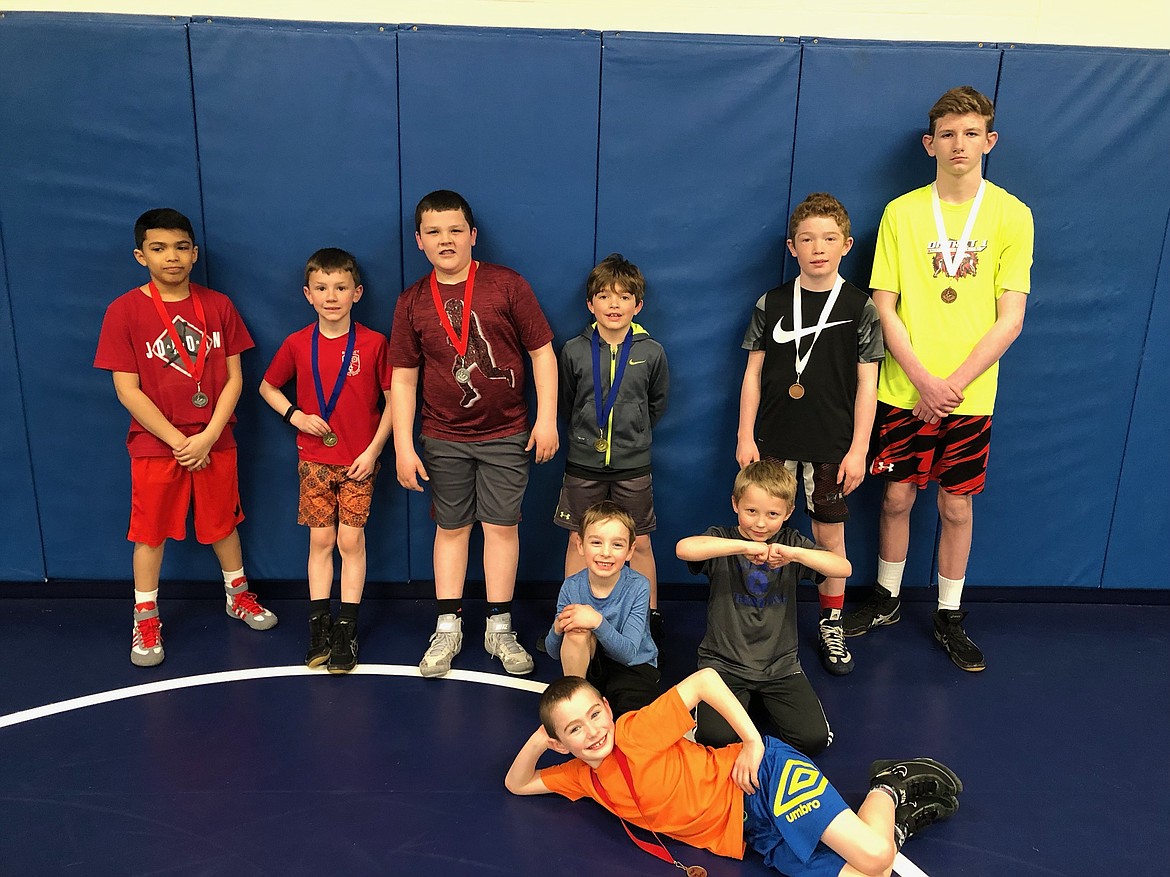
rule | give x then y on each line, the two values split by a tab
329	439
796	391
949	295
696	871
601	446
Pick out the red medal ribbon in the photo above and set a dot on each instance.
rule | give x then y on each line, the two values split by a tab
660	851
460	341
195	369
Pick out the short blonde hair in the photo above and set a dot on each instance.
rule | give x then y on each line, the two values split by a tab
770	476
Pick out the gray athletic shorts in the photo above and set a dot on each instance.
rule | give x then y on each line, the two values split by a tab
635	495
477	481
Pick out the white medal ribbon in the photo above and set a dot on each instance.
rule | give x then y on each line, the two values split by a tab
953	260
797	323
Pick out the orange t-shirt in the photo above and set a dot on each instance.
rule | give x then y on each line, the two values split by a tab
685	789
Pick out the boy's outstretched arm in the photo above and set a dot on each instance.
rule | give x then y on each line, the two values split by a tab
699	548
707	686
523	778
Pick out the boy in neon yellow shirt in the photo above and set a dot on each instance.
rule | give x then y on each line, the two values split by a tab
950	278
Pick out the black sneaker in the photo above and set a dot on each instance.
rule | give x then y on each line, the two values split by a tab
914	778
344	651
654	621
948	630
880	608
911	818
835	657
320	631
540	644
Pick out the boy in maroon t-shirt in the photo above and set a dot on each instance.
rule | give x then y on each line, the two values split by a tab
174	348
342	370
468	326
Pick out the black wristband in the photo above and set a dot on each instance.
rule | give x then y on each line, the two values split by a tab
292	409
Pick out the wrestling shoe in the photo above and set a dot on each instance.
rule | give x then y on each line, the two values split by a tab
948	630
320	631
913	778
146	648
835	657
911	818
880	608
343	649
446	642
242	604
500	641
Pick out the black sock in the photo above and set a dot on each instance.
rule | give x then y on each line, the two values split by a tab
451	607
348	612
318	607
499	608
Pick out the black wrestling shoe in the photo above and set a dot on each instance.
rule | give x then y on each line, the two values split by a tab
320	631
835	657
948	630
880	608
911	818
344	651
914	778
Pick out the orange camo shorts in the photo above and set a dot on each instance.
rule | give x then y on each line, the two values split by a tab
330	497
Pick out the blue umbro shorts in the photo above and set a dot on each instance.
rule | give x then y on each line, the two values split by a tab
785	818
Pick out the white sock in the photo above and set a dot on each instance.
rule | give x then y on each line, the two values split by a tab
146	597
950	592
889	575
229	577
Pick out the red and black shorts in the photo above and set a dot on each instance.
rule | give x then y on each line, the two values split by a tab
952	452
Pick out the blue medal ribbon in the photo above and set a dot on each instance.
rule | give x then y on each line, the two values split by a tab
605	406
326	408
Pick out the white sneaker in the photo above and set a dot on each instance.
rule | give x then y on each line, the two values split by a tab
446	642
500	641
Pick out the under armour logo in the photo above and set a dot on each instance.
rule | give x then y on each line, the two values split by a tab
878	467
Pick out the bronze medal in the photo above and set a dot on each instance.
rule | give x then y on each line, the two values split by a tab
329	439
796	391
601	446
200	400
949	295
696	871
462	375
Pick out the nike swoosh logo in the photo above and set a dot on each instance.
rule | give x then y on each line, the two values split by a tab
635	362
787	336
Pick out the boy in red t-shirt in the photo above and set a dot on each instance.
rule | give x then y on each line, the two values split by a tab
342	370
174	348
760	792
467	329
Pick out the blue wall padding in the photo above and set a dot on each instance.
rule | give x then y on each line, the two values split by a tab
23	559
106	131
1139	551
308	160
696	150
509	119
862	113
686	153
1084	136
